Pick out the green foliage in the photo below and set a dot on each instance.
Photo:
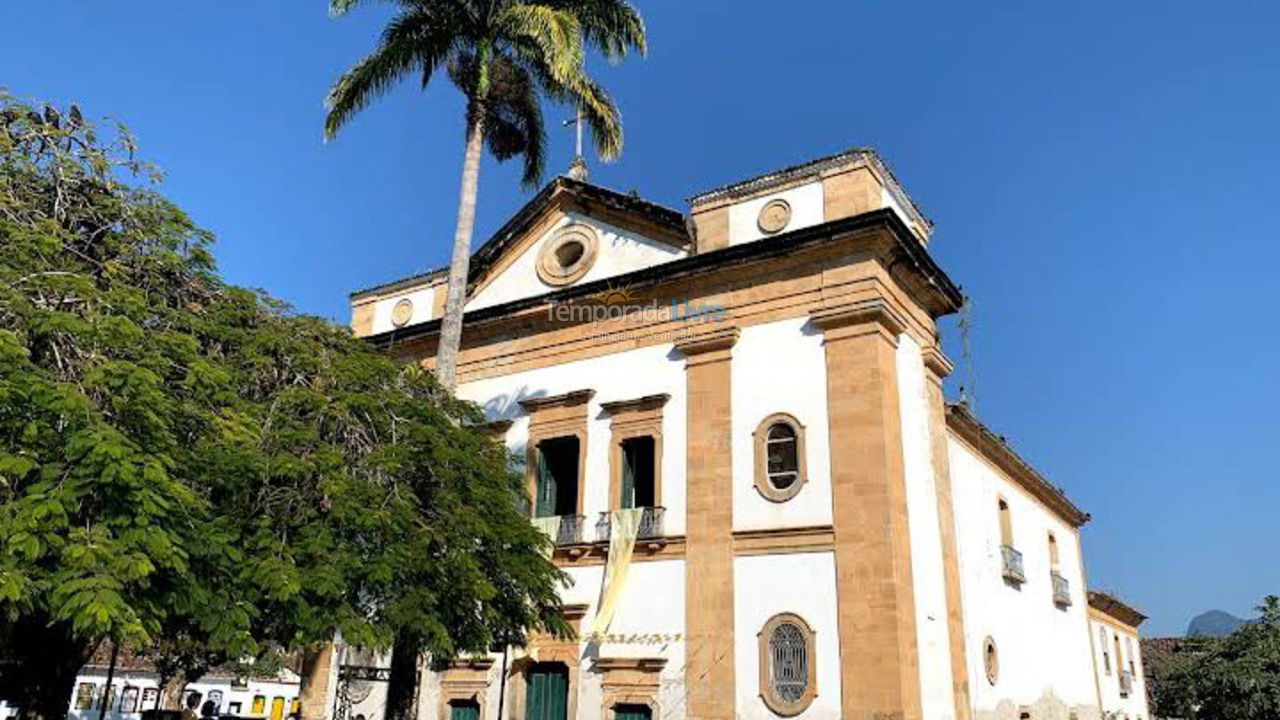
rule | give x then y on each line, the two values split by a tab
499	54
1232	678
186	464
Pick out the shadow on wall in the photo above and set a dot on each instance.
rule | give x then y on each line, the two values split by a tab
507	407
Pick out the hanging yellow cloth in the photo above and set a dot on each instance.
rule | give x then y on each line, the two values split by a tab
623	526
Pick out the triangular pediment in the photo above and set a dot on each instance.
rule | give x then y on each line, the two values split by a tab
573	232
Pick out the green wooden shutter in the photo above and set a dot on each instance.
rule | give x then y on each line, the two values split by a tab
628	499
464	711
547	694
546	491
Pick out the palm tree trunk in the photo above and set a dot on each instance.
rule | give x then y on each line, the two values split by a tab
451	325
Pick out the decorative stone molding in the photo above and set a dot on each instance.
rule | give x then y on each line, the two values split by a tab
556	416
568	255
641	417
937	363
774	216
402	313
631	681
706	342
761	439
465	680
858	318
569	399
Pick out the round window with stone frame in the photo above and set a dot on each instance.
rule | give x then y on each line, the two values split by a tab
567	255
788	667
780	457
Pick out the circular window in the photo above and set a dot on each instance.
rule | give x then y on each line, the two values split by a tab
780	471
774	216
991	660
567	255
402	313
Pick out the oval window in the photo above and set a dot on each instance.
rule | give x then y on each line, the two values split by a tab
787	665
780	470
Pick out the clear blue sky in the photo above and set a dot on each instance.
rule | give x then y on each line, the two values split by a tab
1103	177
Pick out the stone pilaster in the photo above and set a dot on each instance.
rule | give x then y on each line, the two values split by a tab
937	367
879	657
709	642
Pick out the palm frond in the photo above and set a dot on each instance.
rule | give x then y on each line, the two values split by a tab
412	41
611	26
579	91
556	34
603	117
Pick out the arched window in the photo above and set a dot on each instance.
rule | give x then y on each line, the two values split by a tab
1106	654
788	677
1053	552
780	457
1006	523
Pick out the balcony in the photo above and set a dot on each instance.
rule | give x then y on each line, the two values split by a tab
563	529
650	525
1126	683
1012	565
1061	590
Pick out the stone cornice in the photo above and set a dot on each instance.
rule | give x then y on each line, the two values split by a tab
569	399
1115	608
937	363
929	285
646	664
711	340
648	402
997	450
866	312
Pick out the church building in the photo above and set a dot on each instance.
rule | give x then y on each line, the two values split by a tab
735	432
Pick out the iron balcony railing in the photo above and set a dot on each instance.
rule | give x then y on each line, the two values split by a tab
570	530
1012	562
1061	589
1126	683
650	524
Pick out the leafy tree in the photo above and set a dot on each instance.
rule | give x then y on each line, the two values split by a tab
191	470
1239	679
1232	678
500	54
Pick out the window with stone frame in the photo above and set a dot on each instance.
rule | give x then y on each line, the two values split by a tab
780	457
788	677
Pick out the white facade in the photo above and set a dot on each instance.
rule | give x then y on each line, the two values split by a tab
784	554
1117	658
1042	648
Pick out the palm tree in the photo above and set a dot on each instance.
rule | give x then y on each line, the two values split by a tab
502	54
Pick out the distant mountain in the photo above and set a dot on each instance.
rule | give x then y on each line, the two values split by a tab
1215	623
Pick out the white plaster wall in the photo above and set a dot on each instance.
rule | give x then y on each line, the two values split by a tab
1133	707
933	642
1044	651
800	583
423	299
807	209
780	367
620	251
621	376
